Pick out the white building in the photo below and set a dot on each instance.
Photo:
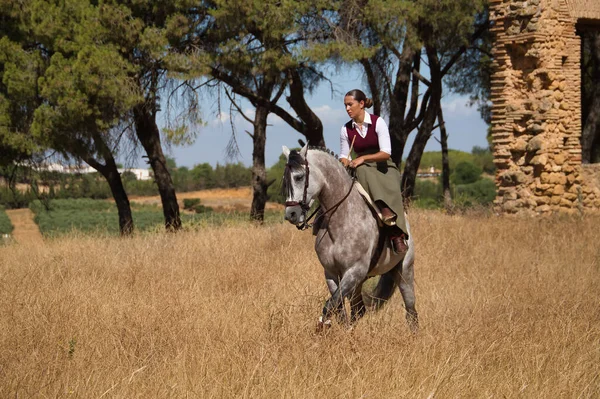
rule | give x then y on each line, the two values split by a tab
140	174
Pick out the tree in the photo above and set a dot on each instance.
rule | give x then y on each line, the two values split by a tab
398	31
70	87
152	37
465	173
253	49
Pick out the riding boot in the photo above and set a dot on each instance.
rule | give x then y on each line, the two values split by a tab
399	243
388	217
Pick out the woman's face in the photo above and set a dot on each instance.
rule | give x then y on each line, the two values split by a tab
353	107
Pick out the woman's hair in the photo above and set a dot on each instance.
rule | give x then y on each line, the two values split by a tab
360	96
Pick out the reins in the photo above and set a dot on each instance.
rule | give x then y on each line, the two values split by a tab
305	225
306	207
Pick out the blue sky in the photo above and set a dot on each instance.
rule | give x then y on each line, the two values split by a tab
463	123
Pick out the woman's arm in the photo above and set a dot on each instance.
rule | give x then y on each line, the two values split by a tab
377	157
344	147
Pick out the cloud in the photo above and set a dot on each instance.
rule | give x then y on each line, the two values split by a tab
331	115
221	118
458	107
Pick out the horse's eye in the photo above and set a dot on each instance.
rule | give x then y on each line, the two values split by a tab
298	177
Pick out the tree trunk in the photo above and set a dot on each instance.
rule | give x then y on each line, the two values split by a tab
149	135
590	134
259	174
111	174
398	103
373	86
445	163
409	176
313	127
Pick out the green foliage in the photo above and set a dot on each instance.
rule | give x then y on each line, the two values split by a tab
482	192
202	209
465	173
484	158
6	226
190	203
275	173
15	199
193	204
479	156
101	217
427	195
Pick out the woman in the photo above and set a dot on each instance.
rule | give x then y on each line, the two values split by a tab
375	171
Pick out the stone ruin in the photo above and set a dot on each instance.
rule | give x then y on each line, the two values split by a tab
536	117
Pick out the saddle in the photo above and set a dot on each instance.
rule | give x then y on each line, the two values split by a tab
387	228
399	242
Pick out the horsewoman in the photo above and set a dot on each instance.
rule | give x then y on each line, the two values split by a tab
369	136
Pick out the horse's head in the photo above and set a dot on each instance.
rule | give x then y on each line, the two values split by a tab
297	187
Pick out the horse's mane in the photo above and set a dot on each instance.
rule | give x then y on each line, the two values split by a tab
296	161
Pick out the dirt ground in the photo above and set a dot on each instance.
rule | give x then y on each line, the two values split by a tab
25	229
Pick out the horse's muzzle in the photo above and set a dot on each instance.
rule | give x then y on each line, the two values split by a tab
294	214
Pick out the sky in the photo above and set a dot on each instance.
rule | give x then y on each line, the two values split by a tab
463	123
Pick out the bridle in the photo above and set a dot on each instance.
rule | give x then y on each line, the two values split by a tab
305	206
302	204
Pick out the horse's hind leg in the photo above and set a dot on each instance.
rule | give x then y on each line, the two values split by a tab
404	278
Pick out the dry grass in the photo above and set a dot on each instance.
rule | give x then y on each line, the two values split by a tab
509	308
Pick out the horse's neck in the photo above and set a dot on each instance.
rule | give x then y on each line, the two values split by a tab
336	182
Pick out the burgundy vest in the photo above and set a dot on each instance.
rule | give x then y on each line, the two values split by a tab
367	145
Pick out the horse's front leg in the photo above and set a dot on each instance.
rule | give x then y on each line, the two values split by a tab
357	306
348	285
332	283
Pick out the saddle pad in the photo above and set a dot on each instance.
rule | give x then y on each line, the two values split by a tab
369	201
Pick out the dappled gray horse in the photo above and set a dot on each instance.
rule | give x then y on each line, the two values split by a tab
349	242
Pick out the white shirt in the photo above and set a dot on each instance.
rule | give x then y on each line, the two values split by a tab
383	135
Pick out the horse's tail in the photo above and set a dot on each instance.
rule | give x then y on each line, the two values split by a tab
382	292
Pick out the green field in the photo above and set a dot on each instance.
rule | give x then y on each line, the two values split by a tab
59	217
6	226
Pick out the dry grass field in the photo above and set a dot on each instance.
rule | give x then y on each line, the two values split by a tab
509	308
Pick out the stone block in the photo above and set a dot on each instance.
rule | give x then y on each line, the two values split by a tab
536	128
539	160
558	190
520	145
543	208
559	159
555	200
535	144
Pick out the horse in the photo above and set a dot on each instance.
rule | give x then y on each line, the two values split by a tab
350	244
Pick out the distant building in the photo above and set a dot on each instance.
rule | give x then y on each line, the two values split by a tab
140	174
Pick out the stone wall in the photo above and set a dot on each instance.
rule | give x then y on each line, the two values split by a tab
536	118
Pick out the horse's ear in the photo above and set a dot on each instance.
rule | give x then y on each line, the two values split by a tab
286	152
304	150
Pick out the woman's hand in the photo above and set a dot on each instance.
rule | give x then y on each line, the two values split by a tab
345	162
355	163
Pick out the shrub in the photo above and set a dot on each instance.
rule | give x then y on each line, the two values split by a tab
480	192
465	173
190	203
428	190
6	226
202	209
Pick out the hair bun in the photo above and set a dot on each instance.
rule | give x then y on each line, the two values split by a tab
368	103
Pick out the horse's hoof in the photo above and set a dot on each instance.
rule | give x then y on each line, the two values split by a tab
322	325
